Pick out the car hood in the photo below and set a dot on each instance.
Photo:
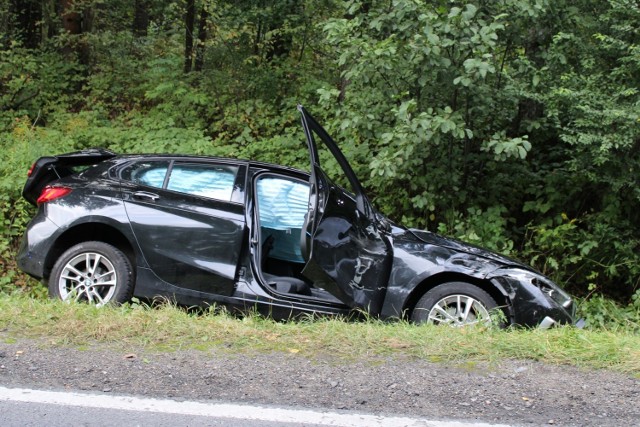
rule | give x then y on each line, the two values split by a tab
456	245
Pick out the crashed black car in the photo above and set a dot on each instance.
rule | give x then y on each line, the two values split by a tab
250	235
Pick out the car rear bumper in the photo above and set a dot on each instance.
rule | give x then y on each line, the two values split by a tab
35	246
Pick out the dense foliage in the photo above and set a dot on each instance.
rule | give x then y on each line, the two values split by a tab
513	124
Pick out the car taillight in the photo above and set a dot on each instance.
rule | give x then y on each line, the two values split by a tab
50	193
33	166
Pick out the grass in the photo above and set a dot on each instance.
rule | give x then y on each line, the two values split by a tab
168	328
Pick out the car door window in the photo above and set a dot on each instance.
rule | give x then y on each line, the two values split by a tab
282	205
212	181
149	173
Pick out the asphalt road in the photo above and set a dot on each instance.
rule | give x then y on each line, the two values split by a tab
29	407
514	392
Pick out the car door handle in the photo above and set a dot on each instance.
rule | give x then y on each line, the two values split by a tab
145	195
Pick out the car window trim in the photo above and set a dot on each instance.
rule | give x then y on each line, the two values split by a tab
239	184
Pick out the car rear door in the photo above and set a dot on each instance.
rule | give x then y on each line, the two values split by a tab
188	219
346	249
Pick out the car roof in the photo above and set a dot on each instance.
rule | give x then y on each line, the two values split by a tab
252	163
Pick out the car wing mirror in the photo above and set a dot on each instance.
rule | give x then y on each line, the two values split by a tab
383	223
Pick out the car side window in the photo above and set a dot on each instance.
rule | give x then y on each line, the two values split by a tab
151	173
213	181
282	203
282	206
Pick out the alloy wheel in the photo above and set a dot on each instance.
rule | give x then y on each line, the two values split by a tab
88	277
459	310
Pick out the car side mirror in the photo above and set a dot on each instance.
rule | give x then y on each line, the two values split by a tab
383	224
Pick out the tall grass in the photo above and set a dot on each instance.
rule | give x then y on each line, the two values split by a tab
169	328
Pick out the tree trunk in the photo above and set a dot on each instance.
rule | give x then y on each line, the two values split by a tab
71	18
202	38
73	21
141	18
28	15
189	21
50	19
281	42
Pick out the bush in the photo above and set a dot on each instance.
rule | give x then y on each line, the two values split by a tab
601	313
587	256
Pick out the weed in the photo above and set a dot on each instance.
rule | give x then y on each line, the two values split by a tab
167	327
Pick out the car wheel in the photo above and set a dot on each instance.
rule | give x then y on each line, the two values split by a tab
92	272
455	304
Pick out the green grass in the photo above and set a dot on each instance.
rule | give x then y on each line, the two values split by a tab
168	328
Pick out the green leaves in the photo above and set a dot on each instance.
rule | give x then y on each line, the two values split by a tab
526	109
504	148
422	76
479	67
493	121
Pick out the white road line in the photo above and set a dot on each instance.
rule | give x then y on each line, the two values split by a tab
221	410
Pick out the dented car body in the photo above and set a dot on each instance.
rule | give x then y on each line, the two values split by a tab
250	235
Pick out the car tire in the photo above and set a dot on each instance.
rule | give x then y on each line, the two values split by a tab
455	304
93	272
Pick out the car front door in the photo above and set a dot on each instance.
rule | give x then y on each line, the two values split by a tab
347	251
188	220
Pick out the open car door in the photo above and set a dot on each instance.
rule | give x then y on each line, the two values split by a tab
346	251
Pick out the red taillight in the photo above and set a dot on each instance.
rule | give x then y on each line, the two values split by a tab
51	193
33	166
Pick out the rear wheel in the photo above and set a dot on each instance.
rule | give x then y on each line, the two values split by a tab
455	304
92	272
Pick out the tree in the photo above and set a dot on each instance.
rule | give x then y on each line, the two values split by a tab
189	21
141	17
202	38
485	120
28	15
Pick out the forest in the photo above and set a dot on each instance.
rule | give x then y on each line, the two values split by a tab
510	124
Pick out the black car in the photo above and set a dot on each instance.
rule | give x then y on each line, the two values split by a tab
245	234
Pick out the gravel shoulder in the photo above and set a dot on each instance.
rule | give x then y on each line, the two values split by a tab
512	392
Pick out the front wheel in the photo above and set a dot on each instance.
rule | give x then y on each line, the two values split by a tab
455	304
92	272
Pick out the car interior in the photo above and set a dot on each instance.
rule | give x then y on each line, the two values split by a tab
282	206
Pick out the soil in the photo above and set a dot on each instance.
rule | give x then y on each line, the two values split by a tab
510	392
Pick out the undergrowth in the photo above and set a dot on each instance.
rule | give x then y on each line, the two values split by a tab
166	327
